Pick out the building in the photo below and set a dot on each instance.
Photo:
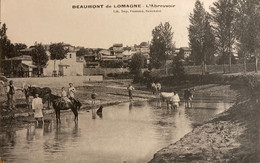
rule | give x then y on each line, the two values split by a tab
104	54
69	66
186	51
21	66
118	51
91	60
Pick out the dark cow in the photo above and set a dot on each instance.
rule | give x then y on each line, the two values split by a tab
43	93
188	96
59	104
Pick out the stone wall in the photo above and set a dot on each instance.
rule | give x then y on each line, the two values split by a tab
104	71
55	82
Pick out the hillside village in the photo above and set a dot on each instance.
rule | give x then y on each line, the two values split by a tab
79	58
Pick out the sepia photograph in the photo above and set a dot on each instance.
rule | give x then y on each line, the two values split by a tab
129	81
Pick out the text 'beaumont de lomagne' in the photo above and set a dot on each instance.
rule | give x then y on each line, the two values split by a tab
122	6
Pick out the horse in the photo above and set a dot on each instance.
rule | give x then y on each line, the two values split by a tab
59	104
188	96
43	93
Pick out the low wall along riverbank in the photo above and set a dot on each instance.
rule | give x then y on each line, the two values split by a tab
56	81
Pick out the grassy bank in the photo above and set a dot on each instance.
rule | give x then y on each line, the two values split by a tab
232	136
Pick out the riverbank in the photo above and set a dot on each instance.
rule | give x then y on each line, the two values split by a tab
232	136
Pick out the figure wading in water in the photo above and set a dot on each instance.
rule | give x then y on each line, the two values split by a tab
130	88
37	107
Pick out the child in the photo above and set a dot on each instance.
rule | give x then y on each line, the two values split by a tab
72	91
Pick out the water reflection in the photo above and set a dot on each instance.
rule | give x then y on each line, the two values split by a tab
47	126
130	106
130	132
93	111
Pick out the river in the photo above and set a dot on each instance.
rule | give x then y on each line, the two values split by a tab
124	133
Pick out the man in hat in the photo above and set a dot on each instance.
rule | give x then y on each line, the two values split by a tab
10	95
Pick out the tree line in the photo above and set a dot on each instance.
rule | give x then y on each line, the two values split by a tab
232	27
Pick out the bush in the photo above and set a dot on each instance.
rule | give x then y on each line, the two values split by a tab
177	70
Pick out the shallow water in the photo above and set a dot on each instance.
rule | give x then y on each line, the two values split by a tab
125	133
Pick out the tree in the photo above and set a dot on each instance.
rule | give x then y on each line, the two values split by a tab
177	69
201	38
39	57
58	52
136	64
20	46
161	44
248	30
82	52
7	49
223	19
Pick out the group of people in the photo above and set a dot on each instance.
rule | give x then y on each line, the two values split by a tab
67	97
37	104
172	99
156	88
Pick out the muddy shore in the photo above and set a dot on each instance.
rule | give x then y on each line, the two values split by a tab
232	136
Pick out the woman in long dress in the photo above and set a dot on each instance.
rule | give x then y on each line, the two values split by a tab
37	106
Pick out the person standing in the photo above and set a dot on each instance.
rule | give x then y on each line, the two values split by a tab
175	101
157	93
130	88
93	97
64	95
72	91
158	87
153	87
10	95
37	106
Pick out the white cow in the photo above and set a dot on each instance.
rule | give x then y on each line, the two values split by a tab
170	98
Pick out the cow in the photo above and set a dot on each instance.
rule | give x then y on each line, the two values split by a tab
171	98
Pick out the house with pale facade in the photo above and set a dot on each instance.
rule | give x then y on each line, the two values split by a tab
69	66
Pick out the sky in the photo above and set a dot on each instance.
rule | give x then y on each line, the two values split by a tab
52	21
